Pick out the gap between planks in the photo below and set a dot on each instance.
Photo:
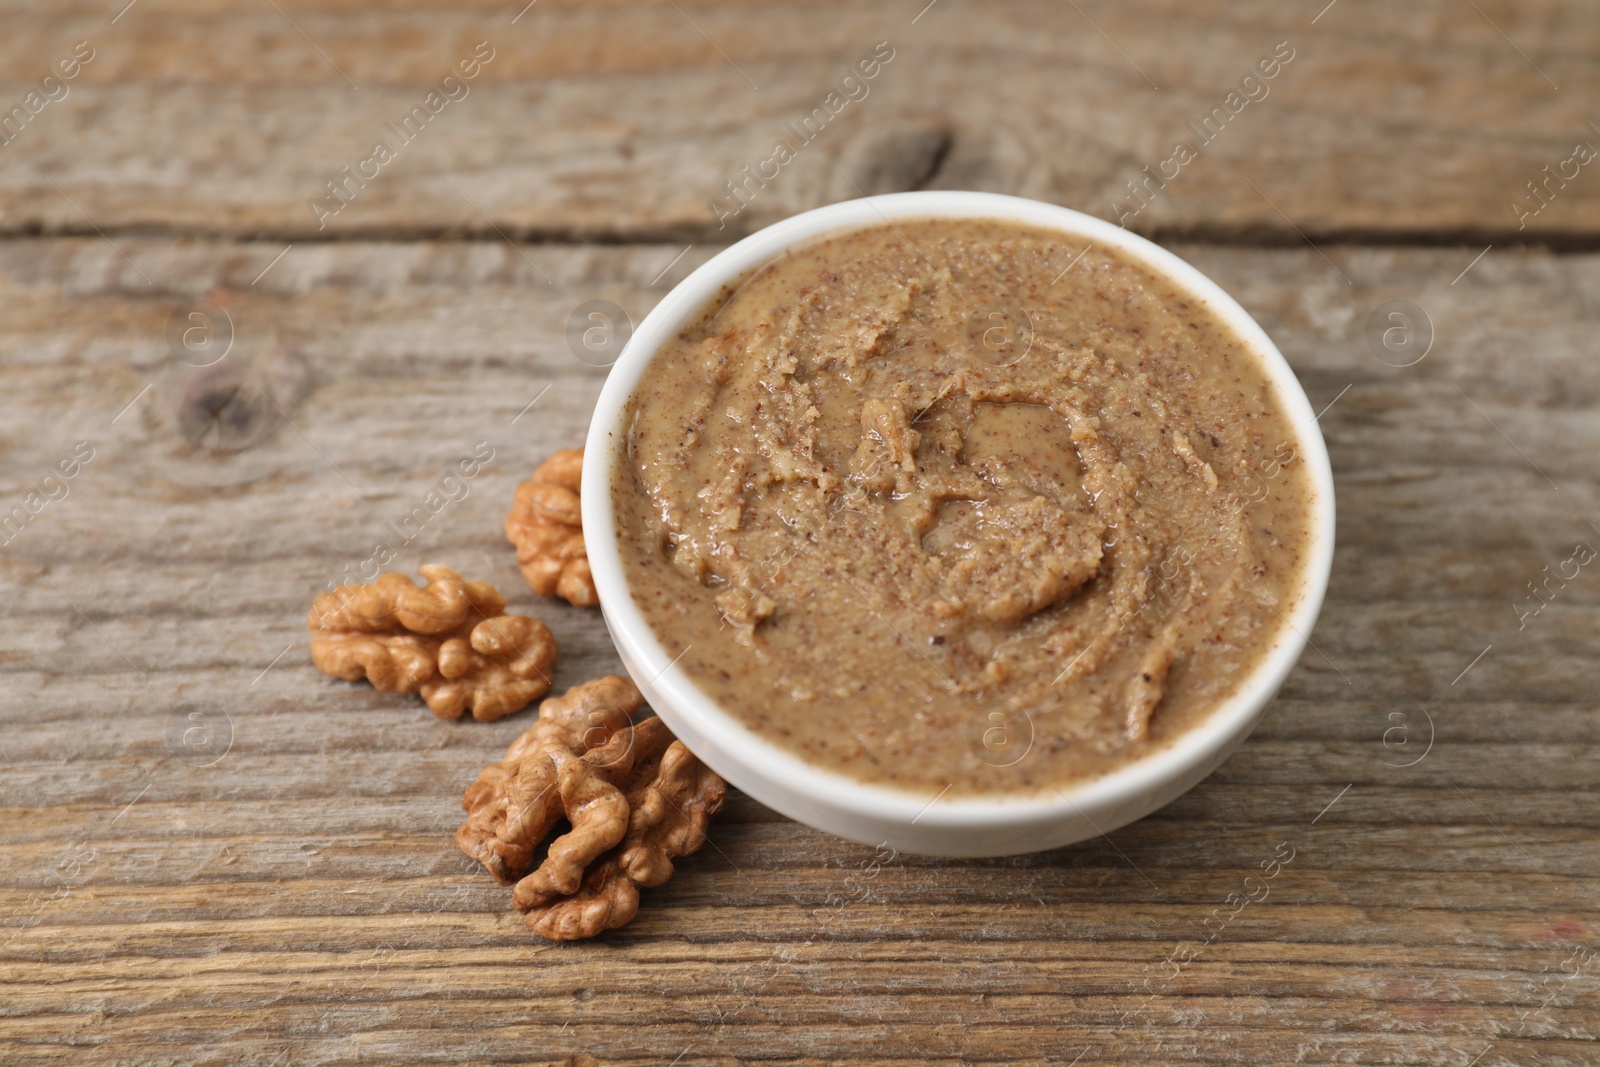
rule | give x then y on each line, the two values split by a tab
1573	242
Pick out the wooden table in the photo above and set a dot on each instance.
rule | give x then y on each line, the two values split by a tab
214	854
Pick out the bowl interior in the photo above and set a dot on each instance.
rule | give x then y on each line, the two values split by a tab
743	753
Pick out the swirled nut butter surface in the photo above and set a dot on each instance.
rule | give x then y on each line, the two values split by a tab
935	505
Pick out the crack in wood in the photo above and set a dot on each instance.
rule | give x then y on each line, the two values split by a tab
1571	242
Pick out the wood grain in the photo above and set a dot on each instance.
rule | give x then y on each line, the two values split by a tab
300	900
625	120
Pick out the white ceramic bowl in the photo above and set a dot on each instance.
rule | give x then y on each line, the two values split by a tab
984	826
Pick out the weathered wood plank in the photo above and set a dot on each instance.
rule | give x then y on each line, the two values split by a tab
300	899
629	119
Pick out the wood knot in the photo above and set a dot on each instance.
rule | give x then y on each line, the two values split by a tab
232	399
893	158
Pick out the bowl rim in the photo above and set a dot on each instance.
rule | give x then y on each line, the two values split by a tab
1206	742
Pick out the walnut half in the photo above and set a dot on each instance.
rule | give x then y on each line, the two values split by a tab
635	797
449	640
546	525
